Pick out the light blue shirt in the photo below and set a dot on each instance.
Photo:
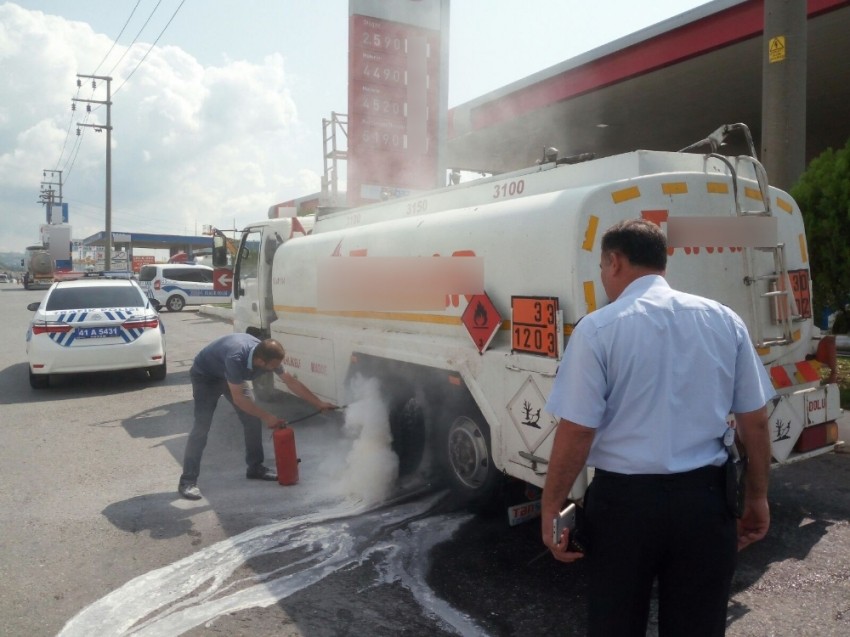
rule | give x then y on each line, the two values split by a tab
656	373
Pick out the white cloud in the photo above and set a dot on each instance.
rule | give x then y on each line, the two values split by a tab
191	145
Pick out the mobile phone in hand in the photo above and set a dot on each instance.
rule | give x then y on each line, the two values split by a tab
569	518
566	519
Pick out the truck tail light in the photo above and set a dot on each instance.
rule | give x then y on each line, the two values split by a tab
50	328
817	436
141	324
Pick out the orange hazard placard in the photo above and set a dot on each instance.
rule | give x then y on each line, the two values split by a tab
802	293
481	320
535	325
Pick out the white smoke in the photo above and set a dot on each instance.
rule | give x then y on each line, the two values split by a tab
371	466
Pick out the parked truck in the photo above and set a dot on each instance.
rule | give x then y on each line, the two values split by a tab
38	267
466	378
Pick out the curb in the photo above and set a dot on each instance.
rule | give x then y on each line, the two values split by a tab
843	432
225	313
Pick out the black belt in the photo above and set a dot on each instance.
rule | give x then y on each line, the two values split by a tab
709	476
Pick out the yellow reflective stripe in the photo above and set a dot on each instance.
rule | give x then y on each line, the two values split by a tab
385	316
763	351
590	296
590	233
717	187
804	254
784	205
414	317
753	193
619	196
674	188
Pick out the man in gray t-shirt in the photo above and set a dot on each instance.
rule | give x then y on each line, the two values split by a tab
223	368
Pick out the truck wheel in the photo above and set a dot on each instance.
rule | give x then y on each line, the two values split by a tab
39	381
175	303
407	426
469	464
158	372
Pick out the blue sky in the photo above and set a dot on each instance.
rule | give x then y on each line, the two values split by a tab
223	117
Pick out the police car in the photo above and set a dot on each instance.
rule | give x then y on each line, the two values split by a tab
174	286
94	325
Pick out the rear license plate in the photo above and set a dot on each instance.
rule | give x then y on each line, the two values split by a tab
519	513
98	332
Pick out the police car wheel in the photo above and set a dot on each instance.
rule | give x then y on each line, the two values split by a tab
39	381
175	303
158	372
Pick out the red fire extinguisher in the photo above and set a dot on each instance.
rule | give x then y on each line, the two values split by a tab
285	456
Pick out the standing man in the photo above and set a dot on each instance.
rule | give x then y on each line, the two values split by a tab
642	393
223	368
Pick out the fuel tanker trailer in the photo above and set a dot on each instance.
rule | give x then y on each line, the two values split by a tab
461	301
38	267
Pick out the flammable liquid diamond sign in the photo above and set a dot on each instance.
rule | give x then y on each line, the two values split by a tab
481	320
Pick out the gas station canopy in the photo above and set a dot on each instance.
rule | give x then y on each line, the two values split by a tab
171	242
661	88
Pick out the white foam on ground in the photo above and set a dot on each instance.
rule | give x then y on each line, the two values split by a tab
206	585
357	473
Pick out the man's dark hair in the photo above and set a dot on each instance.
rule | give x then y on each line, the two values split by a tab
640	241
269	350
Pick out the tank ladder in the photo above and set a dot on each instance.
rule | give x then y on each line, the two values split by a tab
777	291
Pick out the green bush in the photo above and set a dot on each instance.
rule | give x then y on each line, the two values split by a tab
823	194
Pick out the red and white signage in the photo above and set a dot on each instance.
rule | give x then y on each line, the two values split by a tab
139	261
222	280
395	101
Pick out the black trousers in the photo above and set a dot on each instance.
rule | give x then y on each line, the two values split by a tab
673	528
206	392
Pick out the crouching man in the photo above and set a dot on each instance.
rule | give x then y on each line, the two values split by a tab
223	368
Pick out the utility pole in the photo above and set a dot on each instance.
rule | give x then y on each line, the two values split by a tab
48	195
107	264
783	102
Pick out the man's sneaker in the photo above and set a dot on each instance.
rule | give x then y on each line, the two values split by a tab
261	473
189	490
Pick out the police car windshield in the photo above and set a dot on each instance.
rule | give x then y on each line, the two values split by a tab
78	298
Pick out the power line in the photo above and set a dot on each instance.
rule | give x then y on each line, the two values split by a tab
118	37
72	156
67	132
127	50
71	117
173	15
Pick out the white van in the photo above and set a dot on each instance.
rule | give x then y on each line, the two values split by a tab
175	285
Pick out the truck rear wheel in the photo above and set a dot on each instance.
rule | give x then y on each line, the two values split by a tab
468	461
407	425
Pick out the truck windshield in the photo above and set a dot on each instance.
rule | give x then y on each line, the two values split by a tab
78	298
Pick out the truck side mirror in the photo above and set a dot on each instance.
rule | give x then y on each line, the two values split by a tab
219	252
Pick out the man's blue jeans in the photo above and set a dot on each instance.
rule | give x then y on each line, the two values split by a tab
206	392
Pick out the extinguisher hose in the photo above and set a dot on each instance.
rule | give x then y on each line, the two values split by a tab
310	415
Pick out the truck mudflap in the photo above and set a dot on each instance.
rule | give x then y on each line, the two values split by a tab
802	422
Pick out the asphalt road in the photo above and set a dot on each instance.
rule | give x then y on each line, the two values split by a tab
95	541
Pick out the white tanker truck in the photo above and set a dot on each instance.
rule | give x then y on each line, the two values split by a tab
513	261
38	267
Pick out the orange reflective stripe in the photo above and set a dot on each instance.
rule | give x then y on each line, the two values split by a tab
807	371
780	377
